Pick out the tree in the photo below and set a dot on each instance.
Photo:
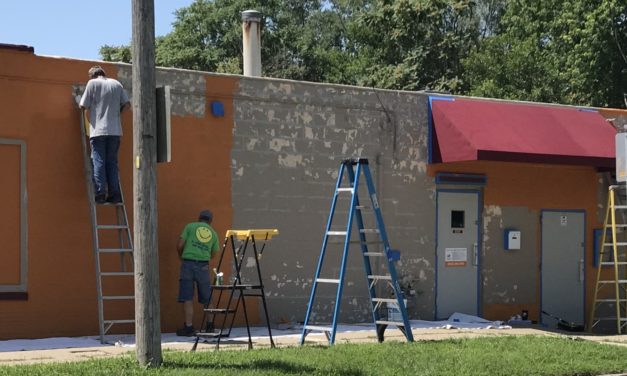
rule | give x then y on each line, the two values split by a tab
554	51
416	44
207	36
116	53
405	44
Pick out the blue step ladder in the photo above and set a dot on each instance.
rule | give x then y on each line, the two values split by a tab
348	185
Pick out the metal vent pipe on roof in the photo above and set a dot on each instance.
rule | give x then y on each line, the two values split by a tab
251	31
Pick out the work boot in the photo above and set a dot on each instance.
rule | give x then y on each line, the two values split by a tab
114	199
186	331
100	199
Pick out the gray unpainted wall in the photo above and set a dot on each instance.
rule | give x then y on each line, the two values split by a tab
187	88
288	141
509	276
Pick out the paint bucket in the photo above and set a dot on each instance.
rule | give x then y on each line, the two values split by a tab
219	277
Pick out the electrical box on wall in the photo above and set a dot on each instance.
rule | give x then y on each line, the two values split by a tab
512	239
217	109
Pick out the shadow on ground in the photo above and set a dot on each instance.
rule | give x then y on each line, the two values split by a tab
260	365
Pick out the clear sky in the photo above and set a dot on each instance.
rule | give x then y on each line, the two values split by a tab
76	28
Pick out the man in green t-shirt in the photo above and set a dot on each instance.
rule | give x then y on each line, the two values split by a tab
197	244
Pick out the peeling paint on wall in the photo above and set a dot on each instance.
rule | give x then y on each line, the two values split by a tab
509	277
288	140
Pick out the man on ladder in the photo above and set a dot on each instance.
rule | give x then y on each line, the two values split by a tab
105	98
198	242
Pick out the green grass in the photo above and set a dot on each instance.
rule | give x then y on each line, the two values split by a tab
511	356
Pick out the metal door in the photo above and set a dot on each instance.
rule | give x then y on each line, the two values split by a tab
563	266
457	253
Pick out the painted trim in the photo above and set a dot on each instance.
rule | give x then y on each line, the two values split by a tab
460	179
22	286
479	194
582	211
431	124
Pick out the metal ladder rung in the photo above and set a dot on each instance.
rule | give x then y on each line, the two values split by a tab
387	277
219	310
363	207
384	300
619	244
109	204
620	281
374	242
118	297
610	300
113	274
327	280
613	318
376	254
622	225
620	206
115	250
344	189
130	321
319	328
111	227
610	263
336	233
385	322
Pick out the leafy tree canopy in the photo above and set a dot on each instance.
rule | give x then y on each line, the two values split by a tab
554	51
567	51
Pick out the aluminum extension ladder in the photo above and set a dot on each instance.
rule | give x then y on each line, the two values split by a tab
352	169
115	285
610	292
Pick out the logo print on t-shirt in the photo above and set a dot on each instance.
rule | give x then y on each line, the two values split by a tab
203	234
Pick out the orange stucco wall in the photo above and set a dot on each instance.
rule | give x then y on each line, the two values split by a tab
536	187
37	106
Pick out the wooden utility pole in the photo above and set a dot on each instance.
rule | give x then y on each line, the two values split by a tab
147	316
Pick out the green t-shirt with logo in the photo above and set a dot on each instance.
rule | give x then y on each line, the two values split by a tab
201	241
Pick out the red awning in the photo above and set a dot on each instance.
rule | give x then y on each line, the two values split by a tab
469	130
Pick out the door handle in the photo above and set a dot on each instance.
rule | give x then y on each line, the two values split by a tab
475	256
581	274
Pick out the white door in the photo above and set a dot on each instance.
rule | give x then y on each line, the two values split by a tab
457	253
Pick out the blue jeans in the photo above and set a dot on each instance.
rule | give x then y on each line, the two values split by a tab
104	157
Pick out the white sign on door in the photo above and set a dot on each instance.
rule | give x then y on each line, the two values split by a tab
563	220
455	256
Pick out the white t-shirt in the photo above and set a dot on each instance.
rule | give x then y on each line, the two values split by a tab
104	97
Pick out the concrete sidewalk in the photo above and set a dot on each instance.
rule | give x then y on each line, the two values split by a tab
122	345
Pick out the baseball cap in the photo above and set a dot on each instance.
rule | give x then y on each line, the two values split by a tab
206	214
